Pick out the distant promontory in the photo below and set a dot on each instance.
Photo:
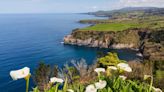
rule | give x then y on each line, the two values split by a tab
133	28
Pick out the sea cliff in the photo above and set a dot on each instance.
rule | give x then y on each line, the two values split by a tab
101	39
143	40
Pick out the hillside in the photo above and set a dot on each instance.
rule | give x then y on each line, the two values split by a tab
131	12
144	33
151	22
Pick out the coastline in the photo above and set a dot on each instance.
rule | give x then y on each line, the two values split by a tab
132	38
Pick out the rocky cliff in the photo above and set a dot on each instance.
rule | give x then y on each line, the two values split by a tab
102	39
89	39
150	43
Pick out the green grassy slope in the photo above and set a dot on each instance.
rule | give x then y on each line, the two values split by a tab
111	27
154	22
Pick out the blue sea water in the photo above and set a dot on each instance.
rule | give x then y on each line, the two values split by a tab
27	39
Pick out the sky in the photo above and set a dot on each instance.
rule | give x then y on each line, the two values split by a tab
71	6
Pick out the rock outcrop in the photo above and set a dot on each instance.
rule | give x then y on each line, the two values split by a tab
120	46
153	51
149	43
101	39
90	42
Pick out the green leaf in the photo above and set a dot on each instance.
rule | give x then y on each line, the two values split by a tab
65	85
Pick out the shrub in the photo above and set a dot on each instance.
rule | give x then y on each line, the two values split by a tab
139	70
87	79
41	76
110	59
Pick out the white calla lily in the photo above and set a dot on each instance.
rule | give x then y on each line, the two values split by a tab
54	79
125	67
70	90
123	77
147	76
112	67
98	70
21	73
101	84
91	88
156	89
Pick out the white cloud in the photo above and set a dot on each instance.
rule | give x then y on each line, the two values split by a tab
142	3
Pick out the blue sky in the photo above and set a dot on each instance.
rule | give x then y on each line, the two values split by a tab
70	6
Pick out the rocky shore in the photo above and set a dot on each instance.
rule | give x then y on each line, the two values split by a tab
116	40
69	39
90	42
139	39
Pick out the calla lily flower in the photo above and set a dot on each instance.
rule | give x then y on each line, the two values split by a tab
123	77
125	67
98	70
70	90
151	82
101	84
54	79
19	74
112	67
91	88
147	76
156	89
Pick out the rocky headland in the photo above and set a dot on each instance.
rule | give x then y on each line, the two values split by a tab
103	39
148	42
141	29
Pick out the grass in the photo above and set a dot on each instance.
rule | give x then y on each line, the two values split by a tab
159	74
121	25
103	81
111	27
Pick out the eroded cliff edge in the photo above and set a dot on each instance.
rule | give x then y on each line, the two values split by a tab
149	42
105	39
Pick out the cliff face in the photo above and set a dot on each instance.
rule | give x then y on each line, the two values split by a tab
153	45
89	38
126	39
150	43
90	42
153	51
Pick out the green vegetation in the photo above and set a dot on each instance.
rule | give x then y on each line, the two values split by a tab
159	74
41	76
114	84
105	76
131	12
127	18
111	59
111	27
149	22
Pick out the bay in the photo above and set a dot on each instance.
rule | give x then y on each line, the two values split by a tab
27	39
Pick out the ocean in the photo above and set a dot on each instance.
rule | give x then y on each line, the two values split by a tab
28	39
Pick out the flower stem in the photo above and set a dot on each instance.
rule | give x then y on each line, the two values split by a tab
27	82
151	84
56	87
99	75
